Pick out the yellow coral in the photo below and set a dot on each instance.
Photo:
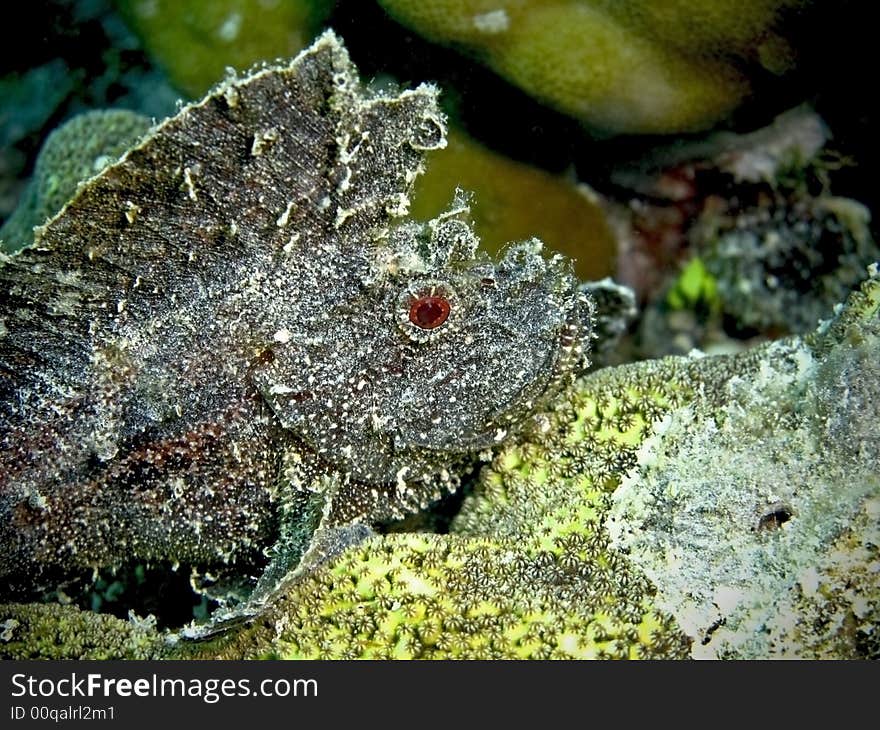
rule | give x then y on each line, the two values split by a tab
622	67
32	631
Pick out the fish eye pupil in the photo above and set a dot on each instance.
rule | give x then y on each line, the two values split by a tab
428	312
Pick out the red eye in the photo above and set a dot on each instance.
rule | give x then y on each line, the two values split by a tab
428	312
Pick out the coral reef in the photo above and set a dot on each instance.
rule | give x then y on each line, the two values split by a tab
73	153
621	67
195	41
36	631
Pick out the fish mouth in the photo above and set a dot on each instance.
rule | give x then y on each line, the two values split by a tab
569	357
529	273
573	344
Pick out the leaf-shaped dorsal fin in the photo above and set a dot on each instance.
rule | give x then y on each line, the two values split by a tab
289	162
217	177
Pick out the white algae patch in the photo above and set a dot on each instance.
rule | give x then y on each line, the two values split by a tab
753	509
495	21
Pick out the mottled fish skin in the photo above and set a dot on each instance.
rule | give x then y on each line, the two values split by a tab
233	315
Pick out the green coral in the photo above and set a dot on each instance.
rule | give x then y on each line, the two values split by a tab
695	287
74	152
196	41
61	632
430	596
622	67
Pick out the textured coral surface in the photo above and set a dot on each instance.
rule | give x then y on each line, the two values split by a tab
624	67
